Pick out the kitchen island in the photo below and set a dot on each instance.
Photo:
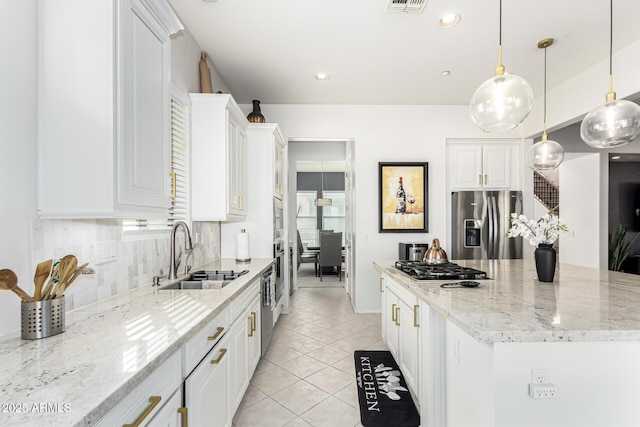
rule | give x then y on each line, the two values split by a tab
480	348
108	349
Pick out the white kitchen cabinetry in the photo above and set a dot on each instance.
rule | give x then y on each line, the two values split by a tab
103	104
255	337
278	163
206	390
149	398
401	328
486	166
172	413
218	158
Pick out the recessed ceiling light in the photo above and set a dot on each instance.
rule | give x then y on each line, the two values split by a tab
322	77
445	73
448	21
615	157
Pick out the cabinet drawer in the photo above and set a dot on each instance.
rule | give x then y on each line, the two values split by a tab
404	294
198	346
241	303
162	383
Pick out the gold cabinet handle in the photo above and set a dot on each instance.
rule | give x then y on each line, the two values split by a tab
255	320
241	198
153	402
174	185
381	291
480	179
397	316
393	313
223	351
250	326
485	180
185	416
217	334
415	316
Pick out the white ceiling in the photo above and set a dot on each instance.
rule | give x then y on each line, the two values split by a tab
271	49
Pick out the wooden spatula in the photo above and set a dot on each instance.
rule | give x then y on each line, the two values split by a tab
42	272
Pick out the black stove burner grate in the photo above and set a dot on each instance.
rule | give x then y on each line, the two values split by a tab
420	270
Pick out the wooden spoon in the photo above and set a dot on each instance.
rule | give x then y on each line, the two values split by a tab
42	272
68	267
57	272
72	278
9	281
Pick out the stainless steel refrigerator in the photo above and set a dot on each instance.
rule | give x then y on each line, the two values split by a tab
479	224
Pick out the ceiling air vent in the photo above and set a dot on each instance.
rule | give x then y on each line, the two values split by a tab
406	6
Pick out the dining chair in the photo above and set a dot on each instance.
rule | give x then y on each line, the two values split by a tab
306	256
330	253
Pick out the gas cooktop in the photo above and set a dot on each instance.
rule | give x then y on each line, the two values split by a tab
420	270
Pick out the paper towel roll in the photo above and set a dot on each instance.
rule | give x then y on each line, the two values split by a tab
242	247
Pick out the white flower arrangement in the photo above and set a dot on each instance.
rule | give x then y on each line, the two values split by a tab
546	230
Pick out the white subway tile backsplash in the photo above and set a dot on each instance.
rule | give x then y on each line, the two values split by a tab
137	261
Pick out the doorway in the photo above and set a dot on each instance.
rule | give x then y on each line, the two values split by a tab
322	169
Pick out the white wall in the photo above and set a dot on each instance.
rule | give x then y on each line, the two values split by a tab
383	134
582	195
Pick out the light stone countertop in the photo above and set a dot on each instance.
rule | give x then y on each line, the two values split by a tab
107	349
582	304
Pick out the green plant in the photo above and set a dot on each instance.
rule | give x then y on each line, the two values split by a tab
618	247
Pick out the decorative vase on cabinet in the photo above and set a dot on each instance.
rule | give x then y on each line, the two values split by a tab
256	115
545	257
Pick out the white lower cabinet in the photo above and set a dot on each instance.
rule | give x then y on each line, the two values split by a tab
255	341
239	372
401	328
172	413
149	398
206	393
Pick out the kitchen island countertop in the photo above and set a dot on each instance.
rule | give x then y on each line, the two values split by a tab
582	304
108	348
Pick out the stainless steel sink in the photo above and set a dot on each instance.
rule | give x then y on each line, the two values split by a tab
190	285
203	279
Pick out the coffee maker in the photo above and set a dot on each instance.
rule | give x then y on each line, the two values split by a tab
412	251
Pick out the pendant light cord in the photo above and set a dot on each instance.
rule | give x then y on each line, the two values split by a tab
500	25
610	49
545	90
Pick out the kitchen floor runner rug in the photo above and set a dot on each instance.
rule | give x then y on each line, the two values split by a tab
383	395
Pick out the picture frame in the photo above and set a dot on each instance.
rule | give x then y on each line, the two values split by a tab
403	202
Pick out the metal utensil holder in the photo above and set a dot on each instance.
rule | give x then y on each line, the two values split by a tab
41	319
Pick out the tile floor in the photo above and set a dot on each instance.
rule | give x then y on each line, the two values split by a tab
307	376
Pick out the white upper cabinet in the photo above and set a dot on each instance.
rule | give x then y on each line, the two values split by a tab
475	166
218	158
103	98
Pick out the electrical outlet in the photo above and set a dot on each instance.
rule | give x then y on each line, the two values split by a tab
542	391
539	376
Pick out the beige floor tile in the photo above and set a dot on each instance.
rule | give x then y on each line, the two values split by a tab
300	397
347	365
304	366
273	380
305	344
266	413
280	353
332	413
349	395
264	365
251	397
378	345
349	344
330	379
330	335
283	335
329	355
327	322
298	422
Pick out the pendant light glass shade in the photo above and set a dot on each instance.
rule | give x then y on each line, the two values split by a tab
615	123
545	154
612	124
502	102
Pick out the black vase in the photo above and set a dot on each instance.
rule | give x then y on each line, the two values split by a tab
545	256
256	116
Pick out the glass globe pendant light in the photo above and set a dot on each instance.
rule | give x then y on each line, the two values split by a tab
545	154
502	102
616	122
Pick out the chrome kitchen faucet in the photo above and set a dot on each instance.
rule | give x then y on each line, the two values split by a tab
173	262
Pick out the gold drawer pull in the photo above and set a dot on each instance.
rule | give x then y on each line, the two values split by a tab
255	320
250	325
223	351
381	291
219	330
480	179
393	313
415	316
185	416
485	179
397	316
153	402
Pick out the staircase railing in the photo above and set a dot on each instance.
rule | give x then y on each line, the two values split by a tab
546	192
